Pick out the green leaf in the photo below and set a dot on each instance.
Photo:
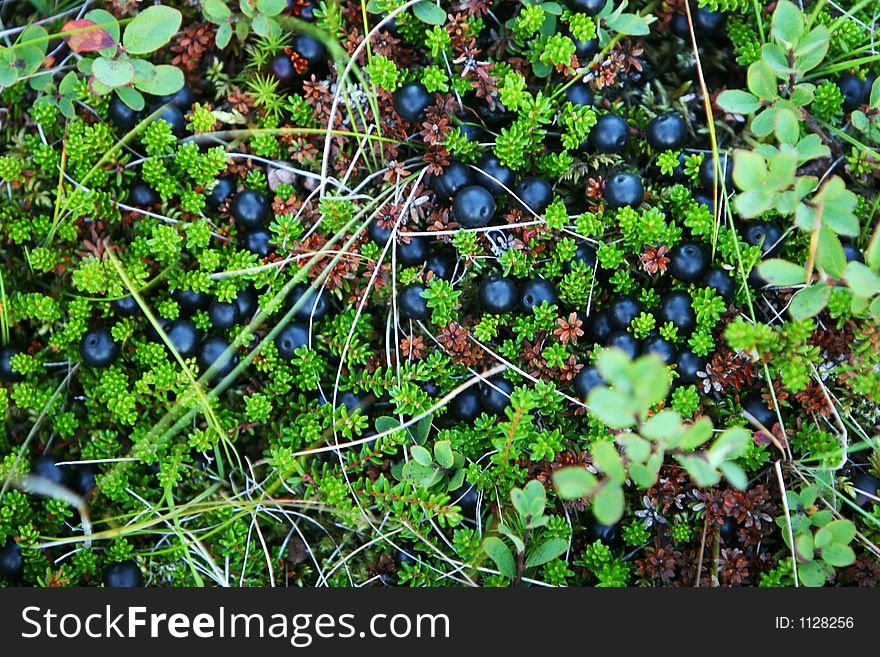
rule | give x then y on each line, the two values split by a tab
607	459
861	280
224	34
271	7
836	531
429	13
749	170
573	483
838	555
872	252
612	408
809	301
164	81
637	448
641	475
216	11
829	254
764	122
811	49
131	97
787	24
811	574
608	503
737	101
106	20
761	81
546	551
501	555
150	29
782	272
420	475
628	25
443	454
787	127
697	434
113	72
421	455
734	474
662	425
776	59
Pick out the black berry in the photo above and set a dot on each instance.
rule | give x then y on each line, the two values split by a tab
290	338
125	306
497	295
82	480
47	468
588	7
247	302
182	99
667	132
315	304
442	263
98	349
473	206
121	115
142	195
223	314
579	94
624	189
454	178
610	134
11	561
536	292
598	326
7	375
258	242
184	337
223	188
585	254
123	575
707	172
623	310
413	252
852	253
411	303
466	405
501	176
675	307
191	301
411	101
212	354
310	49
688	364
281	68
625	341
766	234
535	193
660	346
722	282
172	115
757	407
587	379
853	90
250	209
688	262
495	395
708	22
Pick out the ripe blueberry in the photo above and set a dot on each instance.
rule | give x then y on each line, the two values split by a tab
497	295
667	132
191	301
466	405
588	7
625	341
623	310
121	115
47	467
676	307
579	94
660	346
123	575
473	206
223	314
624	189
413	252
535	193
212	353
290	338
184	337
707	172
142	195
598	326
442	263
411	303
315	305
411	100
454	178
250	209
536	292
98	349
11	561
501	176
853	89
722	282
688	262
757	407
610	134
687	366
222	189
766	234
258	242
495	395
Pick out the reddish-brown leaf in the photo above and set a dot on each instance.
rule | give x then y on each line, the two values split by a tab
85	36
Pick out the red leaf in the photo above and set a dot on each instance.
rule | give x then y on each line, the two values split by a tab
86	36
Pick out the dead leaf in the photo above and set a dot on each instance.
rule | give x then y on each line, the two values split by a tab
86	36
